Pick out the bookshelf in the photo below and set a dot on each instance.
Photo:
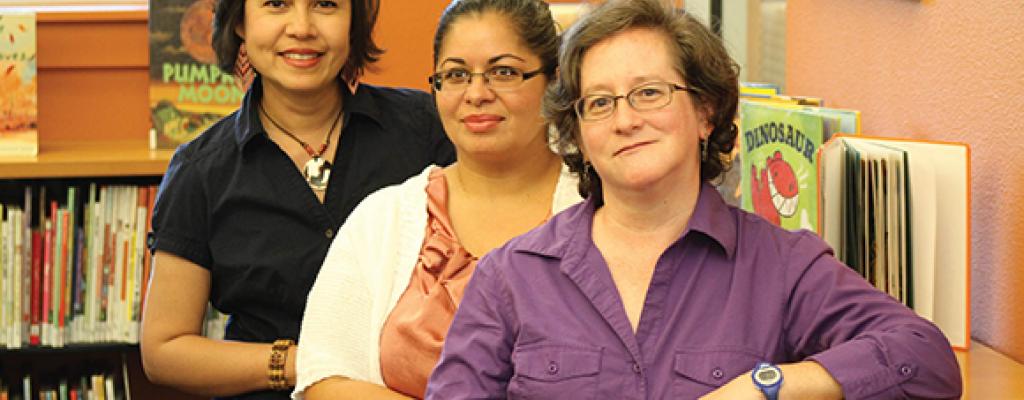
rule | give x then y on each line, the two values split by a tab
988	374
94	116
47	365
93	68
100	158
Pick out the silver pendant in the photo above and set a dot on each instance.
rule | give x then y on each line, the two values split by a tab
317	172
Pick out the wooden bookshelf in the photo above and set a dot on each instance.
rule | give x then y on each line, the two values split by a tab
988	374
46	363
99	158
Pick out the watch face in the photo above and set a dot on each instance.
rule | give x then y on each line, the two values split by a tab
768	375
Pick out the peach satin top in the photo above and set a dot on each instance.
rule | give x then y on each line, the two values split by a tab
411	340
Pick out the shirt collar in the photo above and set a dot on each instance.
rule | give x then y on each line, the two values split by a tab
711	217
247	121
714	218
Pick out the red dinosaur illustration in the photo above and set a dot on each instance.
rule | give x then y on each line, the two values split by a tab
777	192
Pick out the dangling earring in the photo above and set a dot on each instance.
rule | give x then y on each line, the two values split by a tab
244	73
704	150
351	79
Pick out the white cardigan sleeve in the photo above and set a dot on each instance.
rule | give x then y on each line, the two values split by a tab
367	268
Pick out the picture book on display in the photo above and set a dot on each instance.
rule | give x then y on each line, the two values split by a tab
19	136
777	169
187	91
778	143
897	211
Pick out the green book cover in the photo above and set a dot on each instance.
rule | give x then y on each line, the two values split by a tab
187	92
779	173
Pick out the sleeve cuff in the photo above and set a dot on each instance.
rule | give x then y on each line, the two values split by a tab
182	248
862	371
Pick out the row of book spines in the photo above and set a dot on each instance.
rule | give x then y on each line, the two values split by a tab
89	274
85	387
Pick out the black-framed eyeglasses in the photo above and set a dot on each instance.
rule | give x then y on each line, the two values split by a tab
646	97
498	77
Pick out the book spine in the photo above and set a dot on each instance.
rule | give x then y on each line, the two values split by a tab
47	321
20	308
26	295
63	295
35	302
5	286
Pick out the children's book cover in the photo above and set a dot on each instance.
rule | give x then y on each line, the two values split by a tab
778	163
187	91
18	85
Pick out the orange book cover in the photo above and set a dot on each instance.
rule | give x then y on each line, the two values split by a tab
19	136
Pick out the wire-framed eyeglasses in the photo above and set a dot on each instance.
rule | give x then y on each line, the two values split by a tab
646	97
499	77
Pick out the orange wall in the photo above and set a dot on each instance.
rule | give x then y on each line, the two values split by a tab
405	29
944	70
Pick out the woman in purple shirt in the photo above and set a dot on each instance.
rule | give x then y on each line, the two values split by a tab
655	288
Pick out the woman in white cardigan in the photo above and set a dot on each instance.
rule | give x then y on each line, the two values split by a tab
377	315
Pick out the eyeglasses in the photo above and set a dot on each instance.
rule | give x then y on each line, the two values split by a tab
646	97
497	77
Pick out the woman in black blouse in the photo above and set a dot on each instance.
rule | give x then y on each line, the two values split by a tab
247	210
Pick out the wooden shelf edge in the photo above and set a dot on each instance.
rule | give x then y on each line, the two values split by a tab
88	159
83	13
989	374
108	67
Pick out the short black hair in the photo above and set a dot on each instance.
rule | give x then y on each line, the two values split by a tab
363	51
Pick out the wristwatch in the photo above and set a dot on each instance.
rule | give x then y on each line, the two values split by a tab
768	378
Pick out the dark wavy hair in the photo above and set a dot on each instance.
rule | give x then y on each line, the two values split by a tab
363	51
531	19
700	58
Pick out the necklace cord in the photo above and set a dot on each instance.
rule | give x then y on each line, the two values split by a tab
305	146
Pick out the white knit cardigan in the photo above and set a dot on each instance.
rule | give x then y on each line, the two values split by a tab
367	269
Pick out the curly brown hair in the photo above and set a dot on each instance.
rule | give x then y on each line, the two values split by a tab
700	58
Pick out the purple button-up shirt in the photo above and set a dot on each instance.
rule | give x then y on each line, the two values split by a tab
542	318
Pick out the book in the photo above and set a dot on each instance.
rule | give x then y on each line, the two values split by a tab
778	173
758	89
19	136
187	92
898	212
834	120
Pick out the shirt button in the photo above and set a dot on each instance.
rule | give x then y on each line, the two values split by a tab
552	368
905	370
717	373
636	368
329	233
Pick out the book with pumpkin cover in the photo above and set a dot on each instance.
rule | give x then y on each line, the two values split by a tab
778	167
19	136
187	91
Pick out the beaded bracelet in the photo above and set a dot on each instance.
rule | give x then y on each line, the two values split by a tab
275	368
